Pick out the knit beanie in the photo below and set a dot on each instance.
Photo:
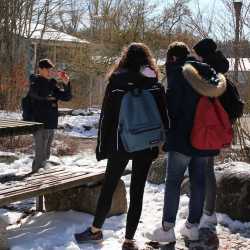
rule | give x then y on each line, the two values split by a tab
207	49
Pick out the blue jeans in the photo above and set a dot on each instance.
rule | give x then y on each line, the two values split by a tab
177	165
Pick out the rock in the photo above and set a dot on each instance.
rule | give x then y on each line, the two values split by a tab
185	185
85	199
66	127
3	235
157	172
233	192
87	128
8	159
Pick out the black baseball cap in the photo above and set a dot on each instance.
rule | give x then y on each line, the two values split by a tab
45	63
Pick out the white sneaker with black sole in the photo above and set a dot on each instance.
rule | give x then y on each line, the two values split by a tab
190	232
208	221
160	235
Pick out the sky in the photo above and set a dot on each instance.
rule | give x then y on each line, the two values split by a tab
205	4
211	10
202	3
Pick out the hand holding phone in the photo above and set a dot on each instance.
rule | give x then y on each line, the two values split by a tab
63	76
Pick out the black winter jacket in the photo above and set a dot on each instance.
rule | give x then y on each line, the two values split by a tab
43	110
108	141
187	81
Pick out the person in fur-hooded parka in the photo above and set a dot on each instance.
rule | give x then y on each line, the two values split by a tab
187	81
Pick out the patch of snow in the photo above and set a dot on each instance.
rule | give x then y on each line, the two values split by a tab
39	31
10	115
80	126
55	230
10	217
19	167
234	225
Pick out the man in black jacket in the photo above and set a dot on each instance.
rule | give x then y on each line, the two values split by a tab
45	94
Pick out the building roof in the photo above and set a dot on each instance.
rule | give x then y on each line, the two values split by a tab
244	64
51	34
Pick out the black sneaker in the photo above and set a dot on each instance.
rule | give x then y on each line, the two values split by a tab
130	246
89	237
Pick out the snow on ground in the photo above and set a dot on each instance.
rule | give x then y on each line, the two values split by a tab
81	124
10	115
55	230
23	164
14	168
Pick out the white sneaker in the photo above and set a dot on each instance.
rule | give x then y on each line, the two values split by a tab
161	236
208	221
191	233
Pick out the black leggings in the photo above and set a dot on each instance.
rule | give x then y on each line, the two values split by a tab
115	167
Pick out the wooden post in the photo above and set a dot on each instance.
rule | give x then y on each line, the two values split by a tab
90	91
237	7
39	203
54	54
35	58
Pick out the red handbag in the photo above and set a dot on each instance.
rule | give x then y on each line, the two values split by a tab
212	129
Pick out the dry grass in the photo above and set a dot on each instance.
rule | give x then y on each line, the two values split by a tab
233	154
62	145
16	143
65	145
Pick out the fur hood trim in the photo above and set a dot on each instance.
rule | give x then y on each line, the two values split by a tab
201	85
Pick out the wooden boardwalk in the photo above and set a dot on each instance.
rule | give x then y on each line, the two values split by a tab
10	127
46	182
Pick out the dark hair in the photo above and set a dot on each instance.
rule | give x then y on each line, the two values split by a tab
45	63
205	47
217	61
177	49
133	57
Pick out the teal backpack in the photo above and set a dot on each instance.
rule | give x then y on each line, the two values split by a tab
140	124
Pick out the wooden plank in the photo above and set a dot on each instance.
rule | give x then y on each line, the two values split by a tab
38	183
61	185
34	186
31	184
20	121
17	126
5	123
33	176
11	127
49	184
39	176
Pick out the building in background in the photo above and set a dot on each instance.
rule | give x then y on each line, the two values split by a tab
244	70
